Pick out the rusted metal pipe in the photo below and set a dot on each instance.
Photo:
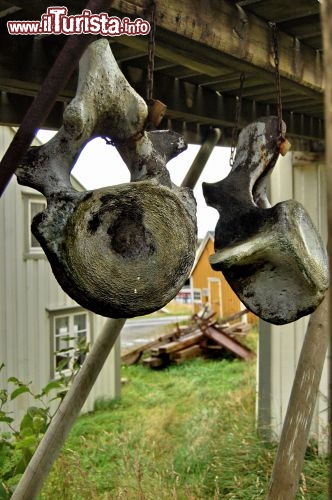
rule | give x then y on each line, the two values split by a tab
41	106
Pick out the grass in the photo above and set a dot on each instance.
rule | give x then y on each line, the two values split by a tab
187	432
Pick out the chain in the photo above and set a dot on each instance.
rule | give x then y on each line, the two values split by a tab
237	118
110	141
149	82
275	43
151	51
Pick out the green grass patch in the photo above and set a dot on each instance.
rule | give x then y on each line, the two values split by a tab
187	432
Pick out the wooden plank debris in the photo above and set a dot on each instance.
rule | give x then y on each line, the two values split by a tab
187	353
237	329
179	344
153	362
134	355
203	336
233	317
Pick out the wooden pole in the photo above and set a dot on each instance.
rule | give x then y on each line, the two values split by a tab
50	446
294	437
326	24
201	158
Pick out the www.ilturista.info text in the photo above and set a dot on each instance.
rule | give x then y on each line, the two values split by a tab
56	21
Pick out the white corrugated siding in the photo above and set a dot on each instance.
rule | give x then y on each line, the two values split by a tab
280	346
28	290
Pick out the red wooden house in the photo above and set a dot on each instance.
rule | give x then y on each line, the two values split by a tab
209	287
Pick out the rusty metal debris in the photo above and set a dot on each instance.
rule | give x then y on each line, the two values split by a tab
119	251
273	257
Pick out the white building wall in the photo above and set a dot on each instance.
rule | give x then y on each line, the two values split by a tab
302	177
28	294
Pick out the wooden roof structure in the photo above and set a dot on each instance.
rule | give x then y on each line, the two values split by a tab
202	47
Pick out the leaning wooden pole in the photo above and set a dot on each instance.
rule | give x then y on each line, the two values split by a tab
50	446
294	437
326	23
201	158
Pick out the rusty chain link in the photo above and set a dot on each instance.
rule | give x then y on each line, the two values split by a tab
275	44
151	51
110	141
237	119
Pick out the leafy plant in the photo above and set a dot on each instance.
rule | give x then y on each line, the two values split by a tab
19	441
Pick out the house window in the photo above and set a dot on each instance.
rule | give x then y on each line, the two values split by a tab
70	335
205	295
34	205
197	296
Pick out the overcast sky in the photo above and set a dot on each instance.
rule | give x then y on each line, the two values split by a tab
100	165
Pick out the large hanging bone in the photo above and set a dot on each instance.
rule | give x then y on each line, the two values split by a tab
119	251
272	257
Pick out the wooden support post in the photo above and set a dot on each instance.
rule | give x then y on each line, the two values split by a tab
294	437
326	22
50	446
201	158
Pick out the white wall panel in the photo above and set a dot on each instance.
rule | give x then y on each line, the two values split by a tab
28	291
301	177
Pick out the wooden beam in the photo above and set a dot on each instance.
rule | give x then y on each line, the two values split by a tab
307	104
13	108
205	107
203	42
214	28
26	61
245	3
181	343
177	53
229	343
304	158
226	77
292	97
9	10
190	352
259	90
283	10
213	64
303	29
